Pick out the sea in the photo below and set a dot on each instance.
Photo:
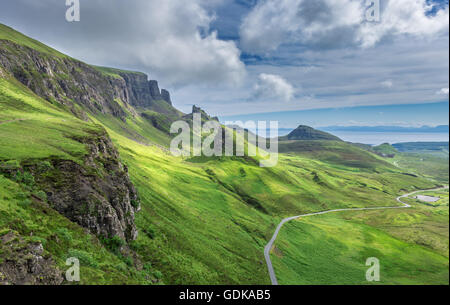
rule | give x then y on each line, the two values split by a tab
377	138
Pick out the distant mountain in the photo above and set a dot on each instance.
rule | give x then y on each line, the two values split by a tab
423	129
308	133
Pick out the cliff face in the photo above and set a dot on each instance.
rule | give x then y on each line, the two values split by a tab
68	81
166	96
141	92
26	264
63	80
204	115
97	195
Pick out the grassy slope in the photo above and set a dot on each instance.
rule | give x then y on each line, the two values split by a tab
22	114
203	221
428	159
429	165
115	73
188	214
385	149
7	33
333	152
333	248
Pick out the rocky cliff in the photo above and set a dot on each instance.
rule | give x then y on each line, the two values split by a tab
26	263
198	110
71	82
141	92
98	194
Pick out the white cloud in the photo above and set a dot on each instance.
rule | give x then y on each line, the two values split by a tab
443	91
343	78
273	87
387	84
170	40
174	42
404	17
334	23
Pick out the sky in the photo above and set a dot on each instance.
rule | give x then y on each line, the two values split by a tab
318	62
412	115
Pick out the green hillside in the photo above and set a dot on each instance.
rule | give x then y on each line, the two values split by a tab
7	33
385	149
199	220
334	152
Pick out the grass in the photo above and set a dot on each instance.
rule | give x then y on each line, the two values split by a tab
7	33
203	220
340	154
386	149
431	166
411	244
115	73
443	195
330	250
61	238
196	223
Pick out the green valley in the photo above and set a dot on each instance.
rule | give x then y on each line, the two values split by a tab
86	171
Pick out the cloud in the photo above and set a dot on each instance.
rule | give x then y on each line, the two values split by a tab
405	17
171	39
273	87
344	78
443	91
329	24
387	84
318	47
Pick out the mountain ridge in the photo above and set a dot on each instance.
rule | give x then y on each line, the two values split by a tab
55	76
304	132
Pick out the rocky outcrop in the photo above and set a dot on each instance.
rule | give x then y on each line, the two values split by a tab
154	90
98	194
64	80
166	96
204	115
69	81
141	91
24	263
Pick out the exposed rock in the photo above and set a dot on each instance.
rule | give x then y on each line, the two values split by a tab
137	89
166	96
154	90
196	109
63	79
97	195
24	263
204	115
69	81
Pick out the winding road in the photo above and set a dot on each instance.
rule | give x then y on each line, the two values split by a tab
269	246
